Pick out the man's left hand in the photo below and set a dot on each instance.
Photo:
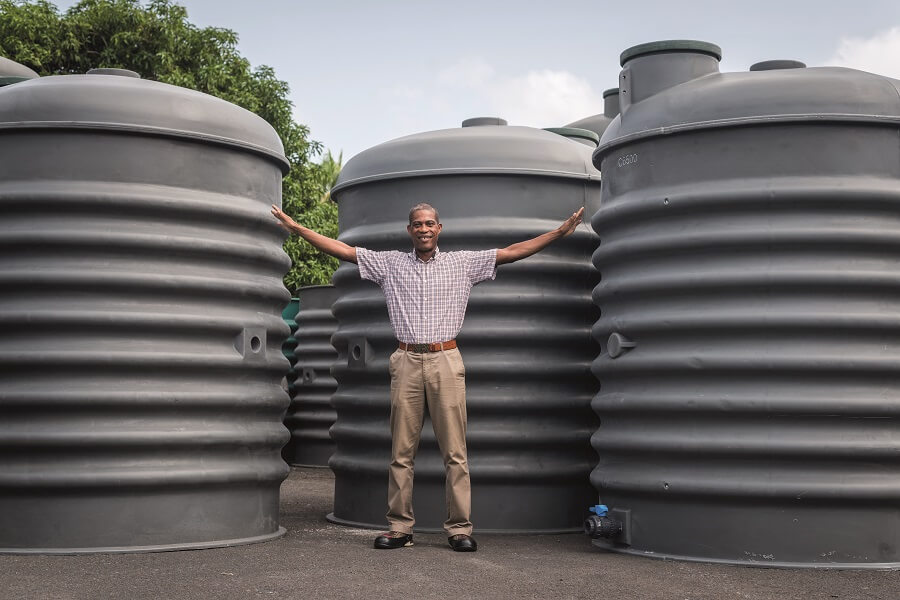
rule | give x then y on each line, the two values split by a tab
572	222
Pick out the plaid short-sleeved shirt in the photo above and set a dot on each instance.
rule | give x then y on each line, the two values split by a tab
426	300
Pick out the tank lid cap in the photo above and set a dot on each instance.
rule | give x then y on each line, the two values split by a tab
575	132
669	46
610	92
482	121
116	72
772	65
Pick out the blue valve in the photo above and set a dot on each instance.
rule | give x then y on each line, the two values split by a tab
600	510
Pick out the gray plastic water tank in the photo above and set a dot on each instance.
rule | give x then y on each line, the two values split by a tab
599	123
145	206
526	339
311	415
582	136
750	234
12	72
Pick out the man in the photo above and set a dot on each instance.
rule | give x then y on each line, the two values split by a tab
427	292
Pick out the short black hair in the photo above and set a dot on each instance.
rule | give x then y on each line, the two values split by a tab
424	206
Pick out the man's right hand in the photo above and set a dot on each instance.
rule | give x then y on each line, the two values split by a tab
325	244
286	222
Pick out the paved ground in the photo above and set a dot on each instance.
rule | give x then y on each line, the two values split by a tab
319	560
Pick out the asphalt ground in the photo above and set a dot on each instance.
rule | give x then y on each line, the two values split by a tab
317	559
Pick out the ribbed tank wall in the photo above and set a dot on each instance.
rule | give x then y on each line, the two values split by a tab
755	268
160	427
526	345
288	348
311	415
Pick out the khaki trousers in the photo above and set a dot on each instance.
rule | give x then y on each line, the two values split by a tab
438	378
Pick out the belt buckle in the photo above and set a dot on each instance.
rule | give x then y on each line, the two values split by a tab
419	348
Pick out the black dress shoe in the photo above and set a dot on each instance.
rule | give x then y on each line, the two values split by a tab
462	543
393	539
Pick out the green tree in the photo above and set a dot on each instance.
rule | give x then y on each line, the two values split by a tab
330	169
159	42
322	217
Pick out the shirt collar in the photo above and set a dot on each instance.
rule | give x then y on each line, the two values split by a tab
434	257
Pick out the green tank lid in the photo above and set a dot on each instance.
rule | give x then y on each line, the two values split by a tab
773	65
668	46
114	71
290	311
576	133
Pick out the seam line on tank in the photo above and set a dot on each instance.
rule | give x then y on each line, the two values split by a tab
152	131
742	122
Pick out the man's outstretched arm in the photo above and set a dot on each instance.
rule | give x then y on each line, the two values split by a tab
528	247
325	244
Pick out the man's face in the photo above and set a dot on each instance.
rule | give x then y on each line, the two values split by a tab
424	230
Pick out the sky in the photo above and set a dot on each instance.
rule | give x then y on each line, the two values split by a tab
365	72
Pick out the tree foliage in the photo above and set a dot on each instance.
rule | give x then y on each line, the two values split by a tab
159	42
331	168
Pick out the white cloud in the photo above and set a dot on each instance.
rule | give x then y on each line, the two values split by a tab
467	73
544	98
472	87
402	93
877	54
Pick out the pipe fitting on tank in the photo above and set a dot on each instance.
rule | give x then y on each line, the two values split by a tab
601	525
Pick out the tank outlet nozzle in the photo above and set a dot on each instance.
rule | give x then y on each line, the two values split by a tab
602	527
612	524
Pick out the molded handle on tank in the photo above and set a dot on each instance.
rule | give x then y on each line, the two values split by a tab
359	352
618	344
251	343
